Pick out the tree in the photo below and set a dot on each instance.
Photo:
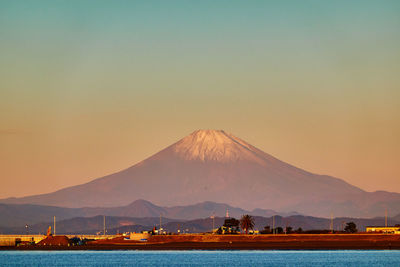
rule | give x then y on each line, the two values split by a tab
231	226
75	240
246	223
267	230
350	227
231	222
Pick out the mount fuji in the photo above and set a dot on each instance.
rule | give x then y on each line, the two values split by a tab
212	165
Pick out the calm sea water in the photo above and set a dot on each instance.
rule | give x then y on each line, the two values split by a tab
200	258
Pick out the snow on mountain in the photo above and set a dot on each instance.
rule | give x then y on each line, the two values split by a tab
214	145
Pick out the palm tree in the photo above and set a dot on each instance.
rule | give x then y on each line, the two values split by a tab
246	223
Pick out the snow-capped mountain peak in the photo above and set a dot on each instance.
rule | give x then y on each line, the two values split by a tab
214	145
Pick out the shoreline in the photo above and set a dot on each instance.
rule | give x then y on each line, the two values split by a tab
235	242
317	245
189	247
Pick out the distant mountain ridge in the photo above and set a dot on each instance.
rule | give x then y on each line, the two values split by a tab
22	214
212	165
116	224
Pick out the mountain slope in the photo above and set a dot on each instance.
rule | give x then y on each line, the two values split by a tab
210	165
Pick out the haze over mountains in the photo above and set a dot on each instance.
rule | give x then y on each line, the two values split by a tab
211	165
21	214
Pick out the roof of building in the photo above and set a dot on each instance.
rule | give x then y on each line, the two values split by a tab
60	240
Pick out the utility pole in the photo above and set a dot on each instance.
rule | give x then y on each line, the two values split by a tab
104	225
386	217
160	224
213	223
286	226
273	224
54	225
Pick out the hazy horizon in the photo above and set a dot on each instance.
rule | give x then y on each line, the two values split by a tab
88	89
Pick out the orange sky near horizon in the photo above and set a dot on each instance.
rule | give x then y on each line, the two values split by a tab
88	90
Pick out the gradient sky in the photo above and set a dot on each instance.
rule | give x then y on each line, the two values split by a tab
88	88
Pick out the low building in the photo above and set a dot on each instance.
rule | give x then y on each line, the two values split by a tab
54	241
383	229
223	230
140	236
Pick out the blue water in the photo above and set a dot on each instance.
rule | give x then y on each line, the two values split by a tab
346	258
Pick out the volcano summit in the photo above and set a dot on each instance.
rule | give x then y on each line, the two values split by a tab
212	165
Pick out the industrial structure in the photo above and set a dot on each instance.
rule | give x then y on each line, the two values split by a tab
383	229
